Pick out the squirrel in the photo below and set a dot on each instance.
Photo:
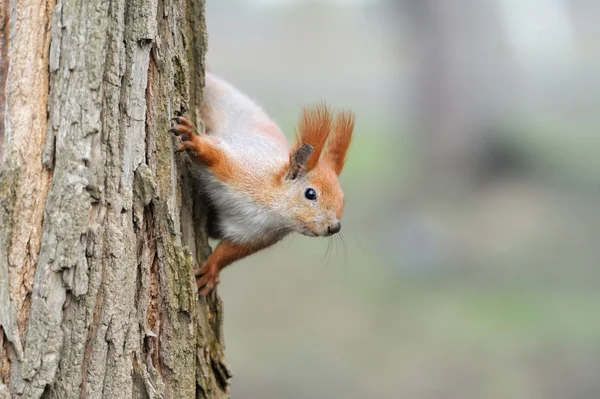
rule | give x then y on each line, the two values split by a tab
260	188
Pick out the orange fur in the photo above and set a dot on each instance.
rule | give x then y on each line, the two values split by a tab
263	200
206	151
222	166
332	196
340	140
314	128
224	254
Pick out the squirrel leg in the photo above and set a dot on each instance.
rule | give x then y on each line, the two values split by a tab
203	149
227	252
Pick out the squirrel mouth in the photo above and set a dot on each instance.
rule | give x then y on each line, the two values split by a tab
308	232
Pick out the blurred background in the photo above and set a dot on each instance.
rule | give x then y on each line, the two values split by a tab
469	265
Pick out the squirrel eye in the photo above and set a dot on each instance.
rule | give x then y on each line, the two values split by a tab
310	194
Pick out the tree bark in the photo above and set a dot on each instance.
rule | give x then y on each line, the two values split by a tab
101	224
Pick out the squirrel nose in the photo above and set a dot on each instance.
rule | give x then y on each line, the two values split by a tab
334	228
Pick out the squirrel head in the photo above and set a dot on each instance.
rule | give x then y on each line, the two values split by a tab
314	199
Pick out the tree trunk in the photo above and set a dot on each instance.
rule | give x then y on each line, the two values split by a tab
463	58
97	293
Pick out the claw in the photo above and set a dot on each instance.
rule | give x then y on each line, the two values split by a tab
207	280
181	131
180	120
186	132
182	148
205	291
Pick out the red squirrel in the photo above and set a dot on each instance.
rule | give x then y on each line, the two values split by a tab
259	187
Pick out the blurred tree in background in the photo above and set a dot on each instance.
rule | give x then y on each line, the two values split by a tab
471	264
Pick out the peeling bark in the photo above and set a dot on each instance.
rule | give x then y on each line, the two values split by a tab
101	225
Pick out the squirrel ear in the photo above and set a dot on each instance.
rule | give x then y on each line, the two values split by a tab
299	161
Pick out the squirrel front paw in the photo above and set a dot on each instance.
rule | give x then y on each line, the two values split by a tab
186	131
207	278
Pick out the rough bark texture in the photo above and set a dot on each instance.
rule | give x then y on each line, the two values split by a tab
101	225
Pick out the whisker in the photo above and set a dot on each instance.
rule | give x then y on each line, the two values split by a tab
326	250
364	225
345	248
358	242
290	243
330	250
346	259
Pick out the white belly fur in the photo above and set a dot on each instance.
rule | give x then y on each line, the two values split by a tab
240	219
238	118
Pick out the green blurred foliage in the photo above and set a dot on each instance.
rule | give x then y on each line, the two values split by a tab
460	291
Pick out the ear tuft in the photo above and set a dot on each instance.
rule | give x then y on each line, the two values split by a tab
313	129
340	140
